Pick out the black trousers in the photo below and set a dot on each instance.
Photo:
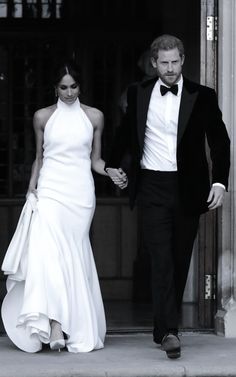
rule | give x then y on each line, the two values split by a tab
168	234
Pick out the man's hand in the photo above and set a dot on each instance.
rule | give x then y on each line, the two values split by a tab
118	176
216	197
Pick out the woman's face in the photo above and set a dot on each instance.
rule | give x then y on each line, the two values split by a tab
68	89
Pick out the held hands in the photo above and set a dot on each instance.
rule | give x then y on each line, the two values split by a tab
118	176
216	197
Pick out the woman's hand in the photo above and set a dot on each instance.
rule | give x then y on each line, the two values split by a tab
118	176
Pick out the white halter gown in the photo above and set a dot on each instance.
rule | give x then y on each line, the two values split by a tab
56	277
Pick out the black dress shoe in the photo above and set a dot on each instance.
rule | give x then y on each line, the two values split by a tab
171	345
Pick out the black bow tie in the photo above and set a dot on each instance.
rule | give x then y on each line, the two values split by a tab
173	89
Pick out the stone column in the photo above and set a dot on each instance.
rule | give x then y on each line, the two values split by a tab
225	323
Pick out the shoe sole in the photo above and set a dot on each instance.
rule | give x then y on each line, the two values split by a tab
174	353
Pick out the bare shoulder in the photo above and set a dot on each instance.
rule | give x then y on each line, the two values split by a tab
41	116
95	116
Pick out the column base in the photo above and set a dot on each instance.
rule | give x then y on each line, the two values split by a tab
225	320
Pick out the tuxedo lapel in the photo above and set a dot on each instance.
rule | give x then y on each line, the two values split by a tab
188	100
143	99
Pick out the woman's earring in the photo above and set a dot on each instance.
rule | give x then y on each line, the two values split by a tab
56	94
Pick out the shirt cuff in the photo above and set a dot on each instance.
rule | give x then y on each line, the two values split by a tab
219	184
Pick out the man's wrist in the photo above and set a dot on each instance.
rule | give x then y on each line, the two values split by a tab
219	184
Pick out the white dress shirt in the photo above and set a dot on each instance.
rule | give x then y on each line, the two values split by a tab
159	152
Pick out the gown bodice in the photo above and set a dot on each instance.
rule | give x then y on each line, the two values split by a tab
67	146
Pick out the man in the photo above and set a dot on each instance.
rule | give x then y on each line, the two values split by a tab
167	122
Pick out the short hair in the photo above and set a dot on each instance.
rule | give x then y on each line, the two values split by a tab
166	42
68	67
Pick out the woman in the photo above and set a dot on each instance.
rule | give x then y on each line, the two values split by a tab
54	296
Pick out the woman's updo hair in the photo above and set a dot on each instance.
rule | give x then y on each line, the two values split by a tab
66	68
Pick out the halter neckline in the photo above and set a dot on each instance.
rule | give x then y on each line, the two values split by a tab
66	106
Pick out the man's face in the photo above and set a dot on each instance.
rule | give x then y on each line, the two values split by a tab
168	65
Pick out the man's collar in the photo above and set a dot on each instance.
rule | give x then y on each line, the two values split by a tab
179	83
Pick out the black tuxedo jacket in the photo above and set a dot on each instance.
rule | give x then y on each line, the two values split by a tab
200	119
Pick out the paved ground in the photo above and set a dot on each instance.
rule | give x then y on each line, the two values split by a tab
128	355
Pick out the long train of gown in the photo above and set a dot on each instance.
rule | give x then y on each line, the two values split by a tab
56	277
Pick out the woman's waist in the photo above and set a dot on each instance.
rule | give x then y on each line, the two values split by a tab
62	169
66	161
